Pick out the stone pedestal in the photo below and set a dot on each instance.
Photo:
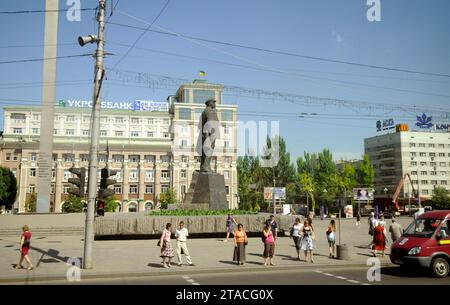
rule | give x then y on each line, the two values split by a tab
207	191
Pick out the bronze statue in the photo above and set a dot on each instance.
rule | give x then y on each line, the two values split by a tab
209	134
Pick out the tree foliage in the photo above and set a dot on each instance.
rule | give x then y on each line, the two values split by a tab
8	188
169	197
366	173
72	204
30	203
441	198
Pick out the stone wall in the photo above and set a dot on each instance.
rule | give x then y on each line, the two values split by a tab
139	224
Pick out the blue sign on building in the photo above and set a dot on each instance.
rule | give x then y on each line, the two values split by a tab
424	121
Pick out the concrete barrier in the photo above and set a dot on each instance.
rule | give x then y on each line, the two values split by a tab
140	224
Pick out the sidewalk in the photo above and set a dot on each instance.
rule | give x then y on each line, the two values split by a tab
122	258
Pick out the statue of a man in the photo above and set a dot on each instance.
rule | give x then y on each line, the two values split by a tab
209	134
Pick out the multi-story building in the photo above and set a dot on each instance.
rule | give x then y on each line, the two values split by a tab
145	148
425	155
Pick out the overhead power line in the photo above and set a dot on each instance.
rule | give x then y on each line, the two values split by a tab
282	52
42	59
42	11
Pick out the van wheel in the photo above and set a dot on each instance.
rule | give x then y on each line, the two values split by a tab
440	267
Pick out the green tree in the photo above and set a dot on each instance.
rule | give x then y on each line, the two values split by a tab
366	173
30	203
169	197
72	204
327	184
8	188
308	186
441	198
111	204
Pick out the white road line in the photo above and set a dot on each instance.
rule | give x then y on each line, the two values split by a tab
353	281
186	277
195	284
340	277
189	280
328	274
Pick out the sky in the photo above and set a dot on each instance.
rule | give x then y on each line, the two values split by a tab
412	35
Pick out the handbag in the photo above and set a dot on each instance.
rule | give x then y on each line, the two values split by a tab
159	243
26	243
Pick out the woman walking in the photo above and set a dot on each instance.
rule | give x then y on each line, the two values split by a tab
230	226
166	246
331	237
379	240
307	244
269	245
25	243
240	241
297	231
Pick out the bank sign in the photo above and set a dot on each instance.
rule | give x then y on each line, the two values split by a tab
138	105
425	122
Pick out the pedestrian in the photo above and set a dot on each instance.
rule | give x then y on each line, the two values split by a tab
331	238
296	234
396	230
230	225
382	221
273	226
269	245
240	241
379	240
358	219
166	246
307	244
372	224
25	244
181	235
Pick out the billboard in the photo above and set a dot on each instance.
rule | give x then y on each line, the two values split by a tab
280	193
363	194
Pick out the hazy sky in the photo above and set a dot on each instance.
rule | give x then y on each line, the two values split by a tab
412	35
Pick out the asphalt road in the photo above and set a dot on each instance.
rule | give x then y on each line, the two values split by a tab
311	276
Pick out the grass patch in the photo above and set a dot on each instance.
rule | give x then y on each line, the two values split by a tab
199	212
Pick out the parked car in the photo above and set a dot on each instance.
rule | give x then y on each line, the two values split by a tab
425	243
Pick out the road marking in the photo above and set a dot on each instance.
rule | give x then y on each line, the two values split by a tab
189	280
353	281
328	274
341	278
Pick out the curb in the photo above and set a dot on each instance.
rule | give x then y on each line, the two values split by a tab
164	272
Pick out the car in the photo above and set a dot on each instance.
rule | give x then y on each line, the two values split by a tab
425	243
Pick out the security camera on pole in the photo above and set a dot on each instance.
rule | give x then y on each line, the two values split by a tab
99	72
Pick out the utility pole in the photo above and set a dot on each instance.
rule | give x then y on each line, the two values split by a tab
273	191
95	131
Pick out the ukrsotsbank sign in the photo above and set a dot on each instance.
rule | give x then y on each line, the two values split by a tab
138	105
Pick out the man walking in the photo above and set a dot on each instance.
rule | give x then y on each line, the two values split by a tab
396	230
181	235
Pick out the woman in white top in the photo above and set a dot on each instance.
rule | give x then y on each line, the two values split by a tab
296	233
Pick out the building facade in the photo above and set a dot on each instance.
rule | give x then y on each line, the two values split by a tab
424	155
146	146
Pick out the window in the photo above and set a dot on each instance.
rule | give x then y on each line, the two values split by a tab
201	96
70	118
32	172
102	158
441	154
227	159
184	113
442	164
414	173
423	154
134	158
425	192
183	143
31	188
443	173
412	144
55	131
149	134
35	117
424	182
149	189
149	175
134	175
118	133
133	189
119	120
103	133
433	173
226	144
227	115
103	119
197	159
66	189
66	175
70	132
434	182
226	174
441	145
52	188
164	188
17	130
166	135
227	189
413	154
443	182
35	130
118	189
432	145
226	130
86	132
423	163
149	158
134	134
134	120
183	173
423	173
150	121
421	144
15	157
166	121
117	158
33	156
413	163
8	157
415	182
86	119
165	159
164	174
53	173
184	159
432	154
68	157
433	163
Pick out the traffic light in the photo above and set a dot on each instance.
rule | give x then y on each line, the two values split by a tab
105	182
101	208
77	190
